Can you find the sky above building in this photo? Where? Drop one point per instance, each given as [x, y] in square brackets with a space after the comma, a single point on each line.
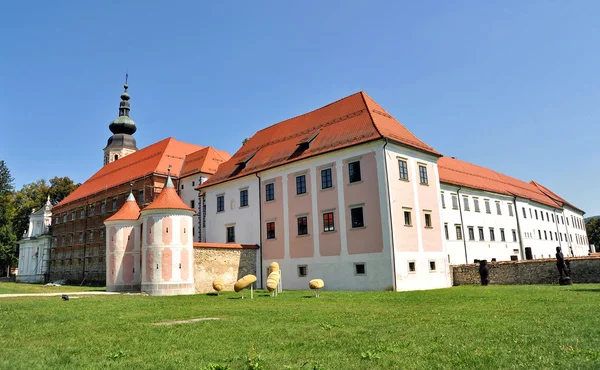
[509, 85]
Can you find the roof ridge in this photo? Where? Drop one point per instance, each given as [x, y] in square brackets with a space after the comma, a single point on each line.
[362, 95]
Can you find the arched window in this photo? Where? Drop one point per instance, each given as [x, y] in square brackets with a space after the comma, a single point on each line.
[116, 157]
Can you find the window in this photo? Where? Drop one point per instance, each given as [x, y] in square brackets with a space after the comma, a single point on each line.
[524, 213]
[550, 235]
[536, 215]
[328, 224]
[303, 225]
[92, 209]
[412, 267]
[73, 216]
[101, 234]
[454, 201]
[476, 204]
[64, 217]
[193, 183]
[428, 220]
[80, 237]
[91, 235]
[545, 235]
[561, 236]
[498, 208]
[539, 235]
[116, 157]
[446, 231]
[530, 214]
[57, 220]
[547, 217]
[542, 214]
[552, 217]
[431, 266]
[423, 174]
[492, 234]
[466, 203]
[230, 234]
[270, 230]
[407, 218]
[140, 197]
[403, 169]
[326, 179]
[82, 213]
[487, 206]
[443, 200]
[244, 198]
[270, 192]
[181, 186]
[458, 232]
[514, 234]
[114, 204]
[360, 268]
[102, 208]
[567, 221]
[471, 233]
[356, 215]
[481, 235]
[354, 171]
[301, 184]
[502, 236]
[302, 270]
[192, 204]
[220, 203]
[510, 210]
[556, 235]
[562, 220]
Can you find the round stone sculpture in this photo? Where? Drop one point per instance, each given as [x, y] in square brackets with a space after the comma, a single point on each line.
[273, 267]
[244, 283]
[273, 281]
[218, 284]
[316, 284]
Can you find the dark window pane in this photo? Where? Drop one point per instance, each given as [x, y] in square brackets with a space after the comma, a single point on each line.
[302, 225]
[423, 175]
[354, 171]
[270, 191]
[301, 184]
[270, 230]
[403, 169]
[326, 181]
[357, 217]
[328, 224]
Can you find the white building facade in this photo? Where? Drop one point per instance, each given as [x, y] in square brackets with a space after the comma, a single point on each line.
[34, 248]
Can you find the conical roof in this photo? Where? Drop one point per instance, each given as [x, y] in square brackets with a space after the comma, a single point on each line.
[130, 211]
[168, 198]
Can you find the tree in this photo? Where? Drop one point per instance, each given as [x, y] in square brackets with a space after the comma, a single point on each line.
[593, 232]
[245, 141]
[8, 238]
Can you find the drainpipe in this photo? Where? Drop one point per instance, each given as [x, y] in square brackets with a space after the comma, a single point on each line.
[557, 229]
[260, 229]
[387, 183]
[521, 248]
[462, 225]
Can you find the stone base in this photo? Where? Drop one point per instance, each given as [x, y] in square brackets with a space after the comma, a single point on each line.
[168, 288]
[565, 281]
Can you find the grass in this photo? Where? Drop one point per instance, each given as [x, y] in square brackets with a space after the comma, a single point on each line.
[541, 327]
[17, 288]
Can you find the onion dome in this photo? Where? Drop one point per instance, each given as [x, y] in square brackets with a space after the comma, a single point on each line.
[123, 124]
[168, 198]
[130, 211]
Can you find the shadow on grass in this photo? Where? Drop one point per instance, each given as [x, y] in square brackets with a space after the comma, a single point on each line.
[585, 290]
[213, 294]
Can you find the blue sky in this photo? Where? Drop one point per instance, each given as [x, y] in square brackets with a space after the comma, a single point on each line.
[510, 85]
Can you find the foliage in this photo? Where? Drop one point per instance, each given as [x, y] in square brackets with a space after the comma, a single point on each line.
[8, 237]
[474, 327]
[593, 232]
[245, 141]
[212, 366]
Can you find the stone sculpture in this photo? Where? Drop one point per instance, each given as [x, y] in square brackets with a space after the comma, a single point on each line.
[244, 283]
[316, 284]
[273, 281]
[484, 272]
[218, 285]
[563, 270]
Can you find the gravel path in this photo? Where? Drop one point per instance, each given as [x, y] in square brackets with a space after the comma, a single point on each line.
[54, 294]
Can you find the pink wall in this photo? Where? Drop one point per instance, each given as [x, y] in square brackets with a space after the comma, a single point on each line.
[428, 199]
[330, 243]
[112, 264]
[184, 230]
[370, 238]
[273, 210]
[167, 264]
[112, 242]
[129, 238]
[406, 238]
[300, 246]
[150, 265]
[149, 235]
[167, 230]
[185, 261]
[127, 268]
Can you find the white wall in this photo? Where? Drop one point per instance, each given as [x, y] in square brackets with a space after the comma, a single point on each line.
[189, 194]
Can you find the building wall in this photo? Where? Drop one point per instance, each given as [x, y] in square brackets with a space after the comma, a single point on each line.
[123, 262]
[542, 271]
[189, 195]
[227, 264]
[415, 242]
[34, 259]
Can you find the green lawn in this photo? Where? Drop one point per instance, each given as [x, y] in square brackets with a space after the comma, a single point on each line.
[533, 327]
[17, 288]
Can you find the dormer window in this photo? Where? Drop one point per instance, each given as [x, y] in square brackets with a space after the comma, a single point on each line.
[307, 140]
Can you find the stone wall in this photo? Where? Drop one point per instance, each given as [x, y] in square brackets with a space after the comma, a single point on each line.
[542, 271]
[229, 264]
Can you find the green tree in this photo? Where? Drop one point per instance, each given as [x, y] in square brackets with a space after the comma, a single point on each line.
[245, 141]
[593, 232]
[8, 237]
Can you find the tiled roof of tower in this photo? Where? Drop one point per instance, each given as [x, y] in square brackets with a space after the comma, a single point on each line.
[206, 160]
[457, 172]
[168, 199]
[153, 159]
[350, 121]
[554, 196]
[129, 211]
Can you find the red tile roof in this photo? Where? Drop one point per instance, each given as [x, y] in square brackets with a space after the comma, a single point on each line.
[205, 160]
[168, 199]
[553, 195]
[129, 211]
[457, 172]
[153, 159]
[225, 246]
[350, 121]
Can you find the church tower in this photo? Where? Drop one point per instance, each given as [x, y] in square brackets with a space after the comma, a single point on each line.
[121, 143]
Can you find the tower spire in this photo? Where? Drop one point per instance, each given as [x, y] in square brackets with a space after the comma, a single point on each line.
[121, 143]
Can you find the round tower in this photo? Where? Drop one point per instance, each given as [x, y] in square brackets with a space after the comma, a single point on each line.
[123, 241]
[122, 142]
[167, 246]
